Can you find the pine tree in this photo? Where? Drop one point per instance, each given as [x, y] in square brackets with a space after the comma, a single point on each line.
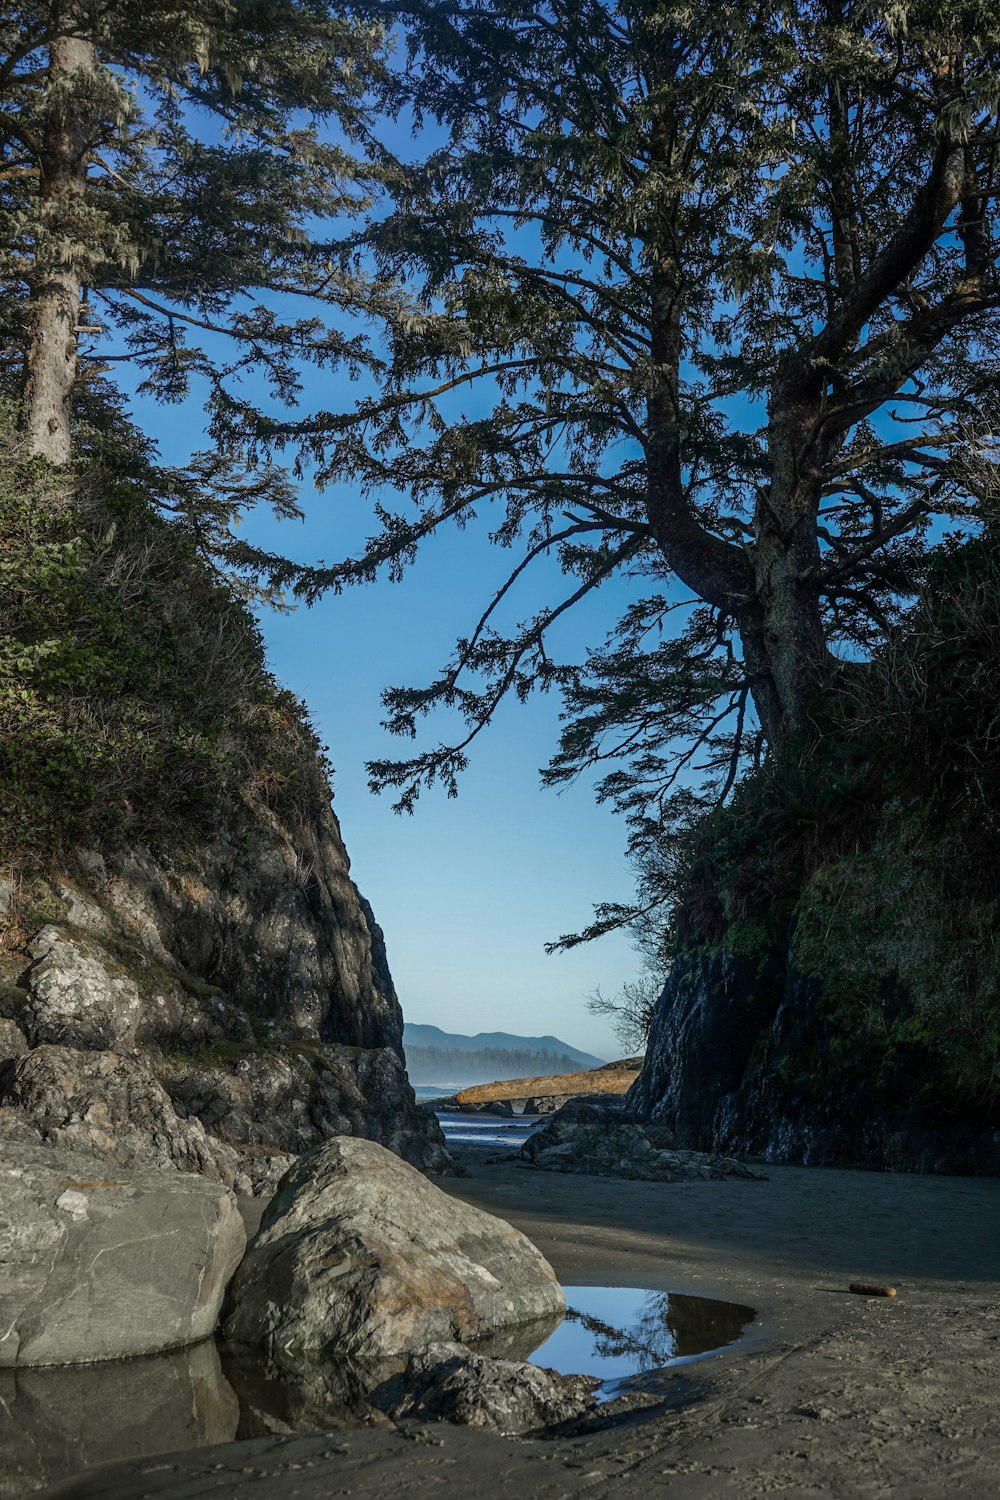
[163, 170]
[724, 278]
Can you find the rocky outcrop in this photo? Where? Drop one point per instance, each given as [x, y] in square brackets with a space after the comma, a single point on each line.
[449, 1383]
[113, 1108]
[550, 1104]
[361, 1256]
[610, 1143]
[97, 1265]
[243, 989]
[747, 1055]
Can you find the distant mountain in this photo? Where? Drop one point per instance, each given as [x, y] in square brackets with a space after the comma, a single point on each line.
[451, 1060]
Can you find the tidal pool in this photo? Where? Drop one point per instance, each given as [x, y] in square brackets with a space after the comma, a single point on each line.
[619, 1333]
[55, 1422]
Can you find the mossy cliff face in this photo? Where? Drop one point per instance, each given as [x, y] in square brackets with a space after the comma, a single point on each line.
[865, 1031]
[836, 995]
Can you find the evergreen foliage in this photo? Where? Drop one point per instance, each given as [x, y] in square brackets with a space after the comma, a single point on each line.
[134, 698]
[704, 295]
[169, 180]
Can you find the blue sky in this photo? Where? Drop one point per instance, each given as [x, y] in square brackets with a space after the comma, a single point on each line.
[467, 890]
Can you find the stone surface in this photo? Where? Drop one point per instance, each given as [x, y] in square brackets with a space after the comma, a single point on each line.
[113, 1108]
[59, 1421]
[13, 1042]
[360, 1255]
[731, 1067]
[447, 1382]
[582, 1138]
[298, 1093]
[98, 1264]
[248, 980]
[549, 1104]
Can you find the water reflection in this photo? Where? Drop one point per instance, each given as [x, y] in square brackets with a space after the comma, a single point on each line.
[55, 1422]
[621, 1332]
[323, 1392]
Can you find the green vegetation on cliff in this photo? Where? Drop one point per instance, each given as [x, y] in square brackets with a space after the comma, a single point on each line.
[867, 853]
[134, 696]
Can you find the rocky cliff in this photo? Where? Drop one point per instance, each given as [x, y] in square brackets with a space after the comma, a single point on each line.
[748, 1056]
[223, 1011]
[188, 974]
[835, 995]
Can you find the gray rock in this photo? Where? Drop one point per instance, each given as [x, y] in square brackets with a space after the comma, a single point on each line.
[732, 1067]
[549, 1104]
[97, 1265]
[113, 1108]
[260, 1068]
[360, 1255]
[296, 1094]
[13, 1042]
[612, 1143]
[95, 989]
[78, 997]
[447, 1382]
[58, 1421]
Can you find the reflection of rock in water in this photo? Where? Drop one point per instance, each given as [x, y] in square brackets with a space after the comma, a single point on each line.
[700, 1323]
[57, 1421]
[320, 1392]
[521, 1342]
[315, 1394]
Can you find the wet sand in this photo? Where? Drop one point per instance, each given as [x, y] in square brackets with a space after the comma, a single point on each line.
[830, 1393]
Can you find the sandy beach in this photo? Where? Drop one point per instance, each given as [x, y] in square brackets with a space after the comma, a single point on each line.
[829, 1393]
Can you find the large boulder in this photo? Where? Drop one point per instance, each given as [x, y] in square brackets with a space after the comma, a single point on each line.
[447, 1382]
[98, 1264]
[360, 1255]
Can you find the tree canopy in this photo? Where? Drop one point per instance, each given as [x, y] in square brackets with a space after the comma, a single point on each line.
[169, 180]
[702, 293]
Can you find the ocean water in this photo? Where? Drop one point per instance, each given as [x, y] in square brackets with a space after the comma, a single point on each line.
[488, 1130]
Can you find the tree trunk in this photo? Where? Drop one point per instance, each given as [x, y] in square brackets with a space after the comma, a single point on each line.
[55, 283]
[784, 640]
[769, 589]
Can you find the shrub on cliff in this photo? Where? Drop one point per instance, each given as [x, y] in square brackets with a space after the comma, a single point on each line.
[134, 696]
[866, 854]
